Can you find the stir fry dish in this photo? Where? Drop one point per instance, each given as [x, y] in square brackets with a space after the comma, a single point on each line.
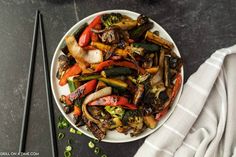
[121, 75]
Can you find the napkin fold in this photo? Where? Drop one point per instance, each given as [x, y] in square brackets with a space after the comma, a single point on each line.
[203, 123]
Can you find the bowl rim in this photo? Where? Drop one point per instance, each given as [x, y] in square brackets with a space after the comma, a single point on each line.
[54, 60]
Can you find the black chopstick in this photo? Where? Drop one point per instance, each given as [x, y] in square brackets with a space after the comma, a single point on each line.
[24, 127]
[48, 90]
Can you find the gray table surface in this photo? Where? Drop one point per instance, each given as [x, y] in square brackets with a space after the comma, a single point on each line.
[198, 28]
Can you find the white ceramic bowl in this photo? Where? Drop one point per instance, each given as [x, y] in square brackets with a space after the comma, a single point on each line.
[112, 136]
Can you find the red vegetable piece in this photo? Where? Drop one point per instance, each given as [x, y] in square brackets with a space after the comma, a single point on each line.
[94, 36]
[174, 93]
[176, 87]
[113, 100]
[77, 111]
[103, 65]
[161, 114]
[86, 35]
[82, 90]
[74, 70]
[67, 101]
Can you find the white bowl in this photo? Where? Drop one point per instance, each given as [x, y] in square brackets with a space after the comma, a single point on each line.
[112, 136]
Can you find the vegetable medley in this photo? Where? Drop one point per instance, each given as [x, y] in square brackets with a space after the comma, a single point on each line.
[122, 76]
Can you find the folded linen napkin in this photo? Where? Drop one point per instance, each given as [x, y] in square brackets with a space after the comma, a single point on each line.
[204, 120]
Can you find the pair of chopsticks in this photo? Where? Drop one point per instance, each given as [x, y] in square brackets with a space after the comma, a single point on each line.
[38, 20]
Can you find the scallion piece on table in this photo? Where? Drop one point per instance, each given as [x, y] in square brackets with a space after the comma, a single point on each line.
[60, 136]
[67, 154]
[95, 140]
[103, 155]
[68, 148]
[60, 125]
[79, 133]
[72, 130]
[65, 124]
[96, 150]
[91, 144]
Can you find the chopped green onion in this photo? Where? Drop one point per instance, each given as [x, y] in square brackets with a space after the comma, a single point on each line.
[79, 133]
[60, 136]
[95, 140]
[96, 150]
[91, 144]
[72, 130]
[67, 154]
[103, 155]
[68, 148]
[60, 125]
[65, 124]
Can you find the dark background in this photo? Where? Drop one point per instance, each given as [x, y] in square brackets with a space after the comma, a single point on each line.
[197, 27]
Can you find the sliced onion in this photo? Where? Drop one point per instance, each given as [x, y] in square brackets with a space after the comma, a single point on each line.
[101, 93]
[156, 78]
[94, 56]
[76, 51]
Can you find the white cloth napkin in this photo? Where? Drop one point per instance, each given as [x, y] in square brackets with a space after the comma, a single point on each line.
[204, 120]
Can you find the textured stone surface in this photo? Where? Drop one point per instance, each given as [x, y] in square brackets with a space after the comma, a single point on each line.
[197, 27]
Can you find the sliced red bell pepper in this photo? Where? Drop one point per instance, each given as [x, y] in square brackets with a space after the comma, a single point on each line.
[103, 65]
[74, 70]
[81, 91]
[176, 87]
[127, 64]
[174, 93]
[67, 101]
[86, 35]
[161, 114]
[77, 111]
[94, 36]
[113, 100]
